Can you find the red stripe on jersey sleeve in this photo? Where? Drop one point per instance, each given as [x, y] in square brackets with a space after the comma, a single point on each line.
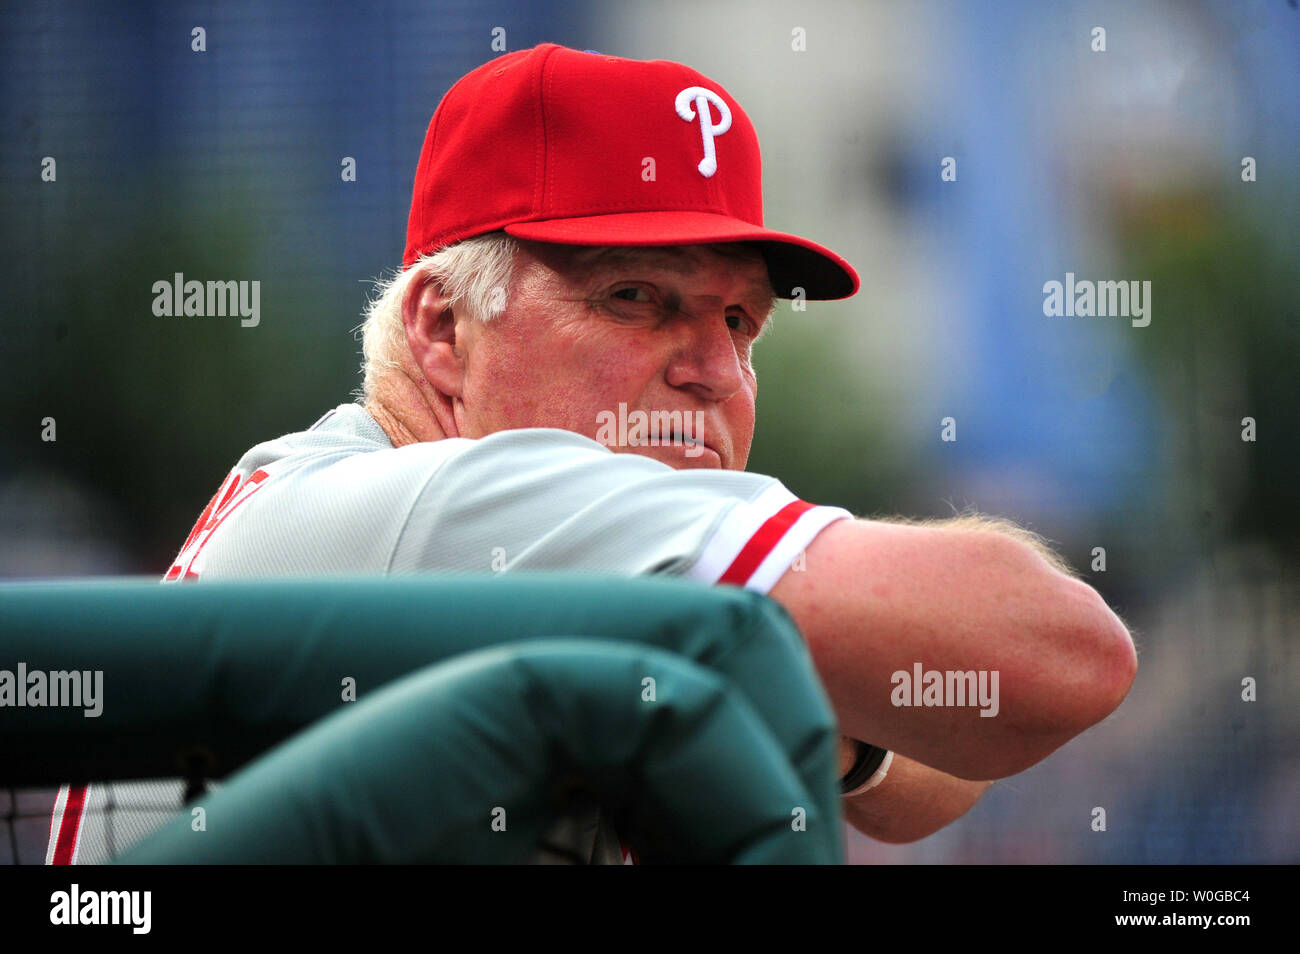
[70, 826]
[753, 553]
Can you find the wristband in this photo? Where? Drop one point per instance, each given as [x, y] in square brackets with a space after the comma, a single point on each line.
[868, 769]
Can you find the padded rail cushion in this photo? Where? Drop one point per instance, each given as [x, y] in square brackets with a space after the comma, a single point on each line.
[220, 672]
[420, 771]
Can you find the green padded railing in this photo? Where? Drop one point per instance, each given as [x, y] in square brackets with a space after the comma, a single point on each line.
[419, 772]
[222, 672]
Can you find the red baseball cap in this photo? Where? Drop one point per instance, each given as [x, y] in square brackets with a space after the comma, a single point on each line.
[578, 148]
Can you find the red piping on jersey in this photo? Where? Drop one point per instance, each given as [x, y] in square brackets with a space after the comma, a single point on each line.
[753, 553]
[214, 506]
[70, 826]
[252, 485]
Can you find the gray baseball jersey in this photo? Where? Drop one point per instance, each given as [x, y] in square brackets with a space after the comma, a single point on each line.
[339, 498]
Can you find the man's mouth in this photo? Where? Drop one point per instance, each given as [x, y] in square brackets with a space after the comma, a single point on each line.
[693, 446]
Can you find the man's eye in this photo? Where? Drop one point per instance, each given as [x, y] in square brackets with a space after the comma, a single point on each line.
[633, 293]
[740, 323]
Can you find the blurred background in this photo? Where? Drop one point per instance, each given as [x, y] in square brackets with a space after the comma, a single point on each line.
[1122, 164]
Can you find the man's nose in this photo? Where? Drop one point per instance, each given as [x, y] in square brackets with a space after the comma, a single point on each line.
[704, 358]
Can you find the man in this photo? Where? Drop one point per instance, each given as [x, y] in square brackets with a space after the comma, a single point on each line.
[562, 378]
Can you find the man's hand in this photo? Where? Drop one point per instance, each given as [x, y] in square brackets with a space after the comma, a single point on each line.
[913, 801]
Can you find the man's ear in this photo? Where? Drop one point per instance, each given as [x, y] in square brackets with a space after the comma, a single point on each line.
[431, 335]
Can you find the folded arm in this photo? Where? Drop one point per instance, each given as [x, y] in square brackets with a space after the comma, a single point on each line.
[877, 598]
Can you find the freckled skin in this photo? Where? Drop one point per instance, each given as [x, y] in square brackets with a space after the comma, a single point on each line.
[576, 340]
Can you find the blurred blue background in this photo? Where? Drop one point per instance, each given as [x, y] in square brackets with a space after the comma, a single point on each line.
[1117, 165]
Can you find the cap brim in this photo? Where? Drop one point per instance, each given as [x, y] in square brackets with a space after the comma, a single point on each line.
[792, 262]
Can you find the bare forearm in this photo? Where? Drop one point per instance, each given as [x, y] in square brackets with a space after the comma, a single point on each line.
[912, 802]
[877, 600]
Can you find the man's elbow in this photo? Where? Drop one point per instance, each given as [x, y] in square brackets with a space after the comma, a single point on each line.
[1092, 664]
[1074, 670]
[1112, 664]
[1076, 689]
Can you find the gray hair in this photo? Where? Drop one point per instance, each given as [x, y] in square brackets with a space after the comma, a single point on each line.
[475, 274]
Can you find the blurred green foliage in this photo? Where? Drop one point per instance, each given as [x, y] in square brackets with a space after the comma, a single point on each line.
[153, 411]
[1226, 346]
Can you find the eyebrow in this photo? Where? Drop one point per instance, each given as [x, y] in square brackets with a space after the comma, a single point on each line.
[757, 292]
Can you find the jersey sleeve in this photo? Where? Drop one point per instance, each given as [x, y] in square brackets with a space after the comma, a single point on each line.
[544, 499]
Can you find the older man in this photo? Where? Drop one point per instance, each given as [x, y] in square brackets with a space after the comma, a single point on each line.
[586, 242]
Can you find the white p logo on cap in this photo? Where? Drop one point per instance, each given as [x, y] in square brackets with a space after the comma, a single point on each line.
[693, 101]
